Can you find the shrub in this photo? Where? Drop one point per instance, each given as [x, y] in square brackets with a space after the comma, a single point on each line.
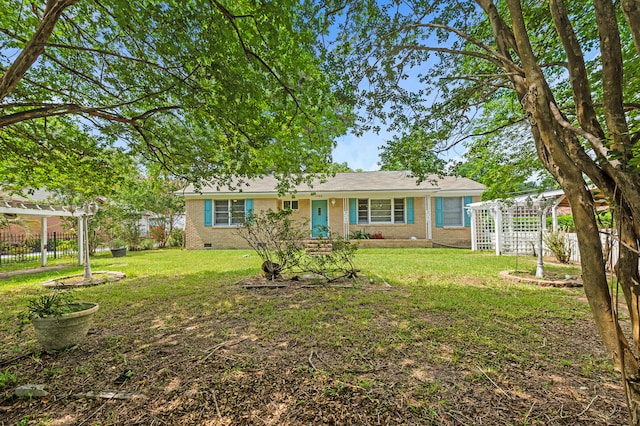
[276, 239]
[117, 243]
[67, 245]
[359, 235]
[556, 243]
[604, 219]
[279, 242]
[147, 244]
[176, 238]
[335, 264]
[158, 234]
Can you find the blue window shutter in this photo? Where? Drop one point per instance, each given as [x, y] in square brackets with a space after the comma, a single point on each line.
[467, 217]
[248, 207]
[410, 214]
[353, 211]
[208, 217]
[439, 212]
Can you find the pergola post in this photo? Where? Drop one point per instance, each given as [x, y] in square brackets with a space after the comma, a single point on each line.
[474, 236]
[554, 214]
[80, 241]
[498, 228]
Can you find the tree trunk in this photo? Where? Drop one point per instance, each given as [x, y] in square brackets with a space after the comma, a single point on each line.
[562, 153]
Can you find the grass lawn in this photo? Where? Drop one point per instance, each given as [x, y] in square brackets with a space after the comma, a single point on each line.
[448, 343]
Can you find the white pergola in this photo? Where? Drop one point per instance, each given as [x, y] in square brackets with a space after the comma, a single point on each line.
[513, 225]
[44, 211]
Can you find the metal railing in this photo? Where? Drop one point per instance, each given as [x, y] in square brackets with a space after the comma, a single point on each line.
[16, 248]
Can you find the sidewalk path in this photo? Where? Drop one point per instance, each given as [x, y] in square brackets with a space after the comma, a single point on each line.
[19, 272]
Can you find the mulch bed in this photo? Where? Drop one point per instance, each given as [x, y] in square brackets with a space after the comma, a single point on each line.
[550, 279]
[77, 280]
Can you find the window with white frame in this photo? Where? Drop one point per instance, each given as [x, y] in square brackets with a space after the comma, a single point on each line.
[381, 210]
[290, 205]
[453, 211]
[398, 210]
[228, 212]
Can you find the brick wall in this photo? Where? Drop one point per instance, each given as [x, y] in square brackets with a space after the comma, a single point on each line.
[199, 236]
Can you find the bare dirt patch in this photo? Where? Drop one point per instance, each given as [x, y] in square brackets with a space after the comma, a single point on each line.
[231, 356]
[311, 281]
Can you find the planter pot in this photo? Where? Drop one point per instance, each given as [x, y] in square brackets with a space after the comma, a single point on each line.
[62, 331]
[119, 252]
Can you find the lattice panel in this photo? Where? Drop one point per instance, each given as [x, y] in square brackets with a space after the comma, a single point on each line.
[520, 229]
[484, 230]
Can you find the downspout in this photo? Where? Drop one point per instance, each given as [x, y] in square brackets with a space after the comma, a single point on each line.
[345, 218]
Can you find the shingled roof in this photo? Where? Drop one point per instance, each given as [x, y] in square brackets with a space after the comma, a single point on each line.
[355, 182]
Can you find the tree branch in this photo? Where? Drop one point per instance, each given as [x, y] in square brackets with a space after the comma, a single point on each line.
[505, 61]
[250, 53]
[34, 47]
[495, 60]
[586, 114]
[61, 109]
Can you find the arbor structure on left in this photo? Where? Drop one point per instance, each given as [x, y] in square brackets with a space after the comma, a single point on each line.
[43, 211]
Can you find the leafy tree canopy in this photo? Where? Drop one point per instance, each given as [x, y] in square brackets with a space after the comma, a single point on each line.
[207, 89]
[430, 71]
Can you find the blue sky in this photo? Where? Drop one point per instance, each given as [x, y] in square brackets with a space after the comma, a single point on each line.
[363, 152]
[360, 152]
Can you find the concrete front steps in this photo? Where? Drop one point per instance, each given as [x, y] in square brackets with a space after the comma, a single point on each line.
[317, 247]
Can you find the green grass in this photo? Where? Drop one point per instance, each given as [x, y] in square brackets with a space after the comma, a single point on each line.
[459, 286]
[446, 309]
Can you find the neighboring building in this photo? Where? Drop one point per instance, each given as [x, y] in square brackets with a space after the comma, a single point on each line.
[31, 211]
[389, 203]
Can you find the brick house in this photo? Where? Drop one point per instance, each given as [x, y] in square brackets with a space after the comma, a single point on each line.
[389, 204]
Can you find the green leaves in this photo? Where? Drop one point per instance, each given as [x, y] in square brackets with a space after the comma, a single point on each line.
[203, 88]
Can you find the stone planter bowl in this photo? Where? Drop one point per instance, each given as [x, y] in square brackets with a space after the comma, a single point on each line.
[63, 331]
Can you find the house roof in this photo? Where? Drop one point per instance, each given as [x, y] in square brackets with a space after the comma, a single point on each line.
[353, 182]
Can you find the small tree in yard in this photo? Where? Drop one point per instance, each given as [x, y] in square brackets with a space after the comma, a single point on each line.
[276, 239]
[279, 241]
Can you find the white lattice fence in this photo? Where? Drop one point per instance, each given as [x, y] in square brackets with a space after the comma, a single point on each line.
[506, 229]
